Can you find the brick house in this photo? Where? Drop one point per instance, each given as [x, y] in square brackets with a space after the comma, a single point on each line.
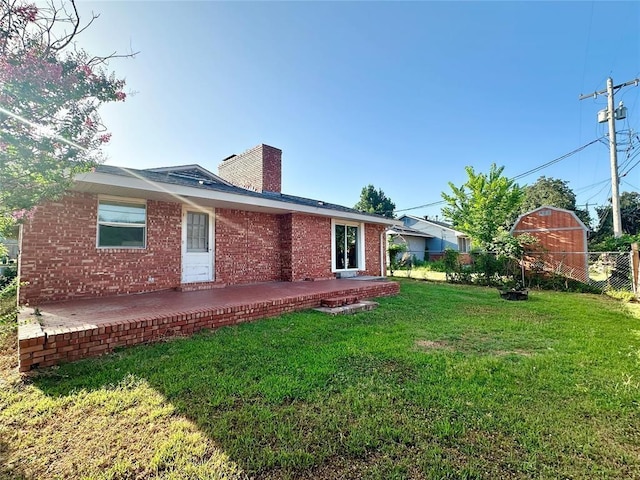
[122, 231]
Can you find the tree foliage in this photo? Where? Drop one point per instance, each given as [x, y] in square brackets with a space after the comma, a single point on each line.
[375, 201]
[482, 204]
[552, 192]
[629, 213]
[613, 244]
[50, 93]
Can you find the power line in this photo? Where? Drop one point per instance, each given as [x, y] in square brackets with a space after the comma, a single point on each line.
[421, 206]
[555, 160]
[529, 172]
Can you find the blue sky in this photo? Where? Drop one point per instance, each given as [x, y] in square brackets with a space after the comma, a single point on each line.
[399, 95]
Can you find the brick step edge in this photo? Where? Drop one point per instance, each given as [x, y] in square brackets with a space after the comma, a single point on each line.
[338, 301]
[363, 306]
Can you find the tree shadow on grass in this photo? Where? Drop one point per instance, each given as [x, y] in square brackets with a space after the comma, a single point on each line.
[8, 471]
[267, 398]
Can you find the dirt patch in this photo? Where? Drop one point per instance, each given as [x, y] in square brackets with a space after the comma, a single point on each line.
[504, 353]
[433, 345]
[470, 344]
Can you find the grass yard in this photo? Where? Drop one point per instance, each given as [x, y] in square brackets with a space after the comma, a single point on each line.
[440, 382]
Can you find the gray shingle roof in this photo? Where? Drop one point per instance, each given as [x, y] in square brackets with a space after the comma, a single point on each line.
[206, 183]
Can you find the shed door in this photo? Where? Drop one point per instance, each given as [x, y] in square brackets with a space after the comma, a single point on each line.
[197, 246]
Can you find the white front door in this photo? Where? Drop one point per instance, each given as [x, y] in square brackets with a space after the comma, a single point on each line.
[197, 245]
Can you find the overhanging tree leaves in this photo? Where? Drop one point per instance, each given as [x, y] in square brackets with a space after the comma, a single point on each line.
[483, 204]
[50, 93]
[375, 201]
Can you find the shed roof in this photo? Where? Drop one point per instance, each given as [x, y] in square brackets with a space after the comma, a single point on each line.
[555, 209]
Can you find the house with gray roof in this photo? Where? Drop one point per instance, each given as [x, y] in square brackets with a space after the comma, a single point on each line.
[428, 238]
[122, 230]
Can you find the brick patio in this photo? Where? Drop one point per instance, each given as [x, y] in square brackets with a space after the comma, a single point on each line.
[69, 331]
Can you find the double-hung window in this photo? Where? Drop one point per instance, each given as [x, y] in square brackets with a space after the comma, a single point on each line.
[122, 224]
[347, 243]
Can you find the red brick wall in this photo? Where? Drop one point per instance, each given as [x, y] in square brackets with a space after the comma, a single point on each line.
[373, 234]
[259, 168]
[59, 259]
[310, 247]
[247, 247]
[271, 169]
[286, 242]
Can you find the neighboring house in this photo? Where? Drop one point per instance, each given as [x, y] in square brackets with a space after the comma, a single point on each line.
[122, 231]
[563, 241]
[443, 236]
[414, 241]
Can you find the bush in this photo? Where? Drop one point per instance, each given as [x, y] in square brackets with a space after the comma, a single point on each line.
[553, 281]
[9, 273]
[435, 266]
[9, 303]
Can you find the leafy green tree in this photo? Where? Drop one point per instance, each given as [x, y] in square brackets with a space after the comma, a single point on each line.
[629, 213]
[613, 244]
[482, 204]
[375, 201]
[552, 192]
[50, 93]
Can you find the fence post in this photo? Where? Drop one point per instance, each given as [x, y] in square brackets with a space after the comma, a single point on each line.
[635, 264]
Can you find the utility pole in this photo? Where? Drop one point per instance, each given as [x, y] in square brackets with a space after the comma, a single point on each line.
[610, 115]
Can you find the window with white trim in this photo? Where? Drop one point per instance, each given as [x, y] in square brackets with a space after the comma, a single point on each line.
[464, 244]
[122, 224]
[347, 241]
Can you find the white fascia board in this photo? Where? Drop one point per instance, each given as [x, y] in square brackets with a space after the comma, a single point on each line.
[93, 181]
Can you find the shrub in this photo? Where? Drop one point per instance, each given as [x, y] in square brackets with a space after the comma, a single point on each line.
[9, 273]
[9, 303]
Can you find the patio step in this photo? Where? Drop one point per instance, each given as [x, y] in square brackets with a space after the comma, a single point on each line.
[362, 306]
[338, 301]
[198, 286]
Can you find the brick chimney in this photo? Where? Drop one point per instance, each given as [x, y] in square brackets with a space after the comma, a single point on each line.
[259, 169]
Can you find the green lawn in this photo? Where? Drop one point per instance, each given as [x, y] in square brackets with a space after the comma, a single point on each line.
[440, 382]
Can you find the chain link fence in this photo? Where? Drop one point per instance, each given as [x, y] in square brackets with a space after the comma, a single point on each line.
[602, 270]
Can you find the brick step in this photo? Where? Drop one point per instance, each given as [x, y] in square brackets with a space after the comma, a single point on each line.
[363, 306]
[338, 301]
[196, 287]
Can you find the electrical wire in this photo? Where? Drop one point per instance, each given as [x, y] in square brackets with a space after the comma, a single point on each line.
[522, 175]
[555, 160]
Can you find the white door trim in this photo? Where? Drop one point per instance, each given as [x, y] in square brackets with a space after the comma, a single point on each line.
[198, 266]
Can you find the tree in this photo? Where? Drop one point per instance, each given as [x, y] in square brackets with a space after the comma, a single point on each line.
[629, 213]
[375, 201]
[552, 192]
[50, 93]
[483, 204]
